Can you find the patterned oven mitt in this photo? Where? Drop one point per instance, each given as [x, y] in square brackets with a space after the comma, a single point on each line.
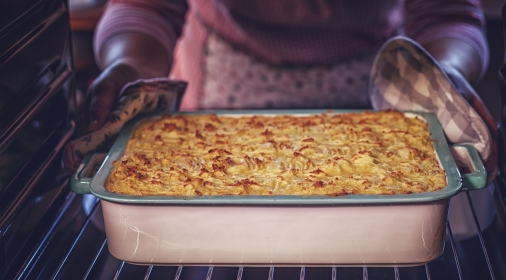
[405, 77]
[142, 96]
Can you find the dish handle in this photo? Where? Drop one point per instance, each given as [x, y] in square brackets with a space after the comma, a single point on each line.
[468, 159]
[80, 182]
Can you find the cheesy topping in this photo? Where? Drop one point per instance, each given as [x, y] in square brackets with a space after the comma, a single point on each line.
[326, 154]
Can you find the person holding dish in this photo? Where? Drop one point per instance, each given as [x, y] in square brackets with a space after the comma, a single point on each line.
[275, 54]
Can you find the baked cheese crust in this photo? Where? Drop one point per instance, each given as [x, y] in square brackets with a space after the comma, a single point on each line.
[326, 154]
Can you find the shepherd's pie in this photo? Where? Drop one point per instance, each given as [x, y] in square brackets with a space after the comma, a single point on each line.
[324, 154]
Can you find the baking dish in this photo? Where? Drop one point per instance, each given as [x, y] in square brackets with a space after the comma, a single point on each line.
[373, 230]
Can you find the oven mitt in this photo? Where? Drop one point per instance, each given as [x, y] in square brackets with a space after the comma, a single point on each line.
[405, 77]
[142, 96]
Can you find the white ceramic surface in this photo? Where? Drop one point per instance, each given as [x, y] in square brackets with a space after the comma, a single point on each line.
[393, 235]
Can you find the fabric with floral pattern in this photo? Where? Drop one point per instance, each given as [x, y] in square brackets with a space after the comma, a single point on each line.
[142, 96]
[233, 79]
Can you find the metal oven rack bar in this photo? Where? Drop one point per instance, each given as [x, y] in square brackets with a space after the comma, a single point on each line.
[85, 254]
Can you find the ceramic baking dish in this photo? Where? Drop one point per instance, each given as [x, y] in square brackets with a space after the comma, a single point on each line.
[373, 230]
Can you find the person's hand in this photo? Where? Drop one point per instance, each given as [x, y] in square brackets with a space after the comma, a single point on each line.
[103, 94]
[466, 90]
[458, 55]
[126, 58]
[462, 65]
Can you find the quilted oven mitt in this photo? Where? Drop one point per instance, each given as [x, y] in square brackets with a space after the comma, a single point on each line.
[142, 96]
[405, 77]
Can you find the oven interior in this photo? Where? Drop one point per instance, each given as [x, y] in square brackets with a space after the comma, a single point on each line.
[48, 232]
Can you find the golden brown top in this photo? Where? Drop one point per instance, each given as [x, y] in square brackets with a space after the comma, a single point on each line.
[326, 154]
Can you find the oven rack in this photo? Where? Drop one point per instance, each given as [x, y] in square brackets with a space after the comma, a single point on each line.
[85, 254]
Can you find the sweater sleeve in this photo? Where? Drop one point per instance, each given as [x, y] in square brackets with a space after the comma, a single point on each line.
[429, 20]
[160, 19]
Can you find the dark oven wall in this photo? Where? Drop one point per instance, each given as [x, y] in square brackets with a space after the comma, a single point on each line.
[36, 86]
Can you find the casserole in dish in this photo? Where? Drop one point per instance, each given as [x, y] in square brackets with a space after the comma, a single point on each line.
[317, 154]
[355, 229]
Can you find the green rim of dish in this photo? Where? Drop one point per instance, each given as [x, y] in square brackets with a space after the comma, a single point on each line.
[439, 142]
